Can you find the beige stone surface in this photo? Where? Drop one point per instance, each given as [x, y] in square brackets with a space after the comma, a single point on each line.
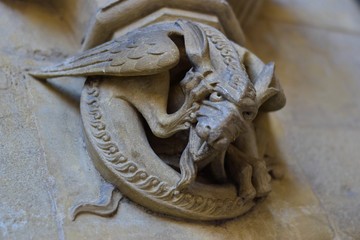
[27, 204]
[316, 46]
[45, 169]
[333, 15]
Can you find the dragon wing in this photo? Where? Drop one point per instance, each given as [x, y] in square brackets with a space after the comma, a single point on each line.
[145, 52]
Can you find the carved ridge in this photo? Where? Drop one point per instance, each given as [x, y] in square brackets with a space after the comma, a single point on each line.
[230, 58]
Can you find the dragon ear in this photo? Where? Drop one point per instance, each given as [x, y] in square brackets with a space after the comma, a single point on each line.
[197, 47]
[269, 94]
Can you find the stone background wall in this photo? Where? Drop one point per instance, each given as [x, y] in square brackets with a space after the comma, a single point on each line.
[45, 169]
[316, 46]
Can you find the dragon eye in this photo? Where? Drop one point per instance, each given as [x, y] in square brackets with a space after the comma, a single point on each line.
[216, 97]
[249, 115]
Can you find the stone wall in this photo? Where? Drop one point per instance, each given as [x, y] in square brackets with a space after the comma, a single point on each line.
[45, 168]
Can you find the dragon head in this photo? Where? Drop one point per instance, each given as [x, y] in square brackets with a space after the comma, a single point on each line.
[220, 121]
[229, 100]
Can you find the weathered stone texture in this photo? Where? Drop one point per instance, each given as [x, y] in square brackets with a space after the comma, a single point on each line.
[44, 167]
[315, 45]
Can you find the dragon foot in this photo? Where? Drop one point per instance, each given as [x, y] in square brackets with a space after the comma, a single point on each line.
[261, 179]
[245, 188]
[178, 121]
[275, 168]
[250, 174]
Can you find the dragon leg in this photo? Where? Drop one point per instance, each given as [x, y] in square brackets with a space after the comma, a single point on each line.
[152, 104]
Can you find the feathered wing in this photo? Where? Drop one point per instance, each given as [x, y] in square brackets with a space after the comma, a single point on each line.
[138, 53]
[195, 41]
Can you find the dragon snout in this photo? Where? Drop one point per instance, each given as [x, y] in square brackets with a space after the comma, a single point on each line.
[219, 124]
[215, 138]
[203, 130]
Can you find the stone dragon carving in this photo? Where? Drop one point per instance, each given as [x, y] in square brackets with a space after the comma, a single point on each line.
[197, 90]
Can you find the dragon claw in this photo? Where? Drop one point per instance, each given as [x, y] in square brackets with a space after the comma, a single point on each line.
[192, 116]
[187, 125]
[182, 120]
[247, 193]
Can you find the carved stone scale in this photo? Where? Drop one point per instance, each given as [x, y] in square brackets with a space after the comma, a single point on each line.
[172, 109]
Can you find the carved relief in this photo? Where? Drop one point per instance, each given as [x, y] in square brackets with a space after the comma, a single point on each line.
[171, 114]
